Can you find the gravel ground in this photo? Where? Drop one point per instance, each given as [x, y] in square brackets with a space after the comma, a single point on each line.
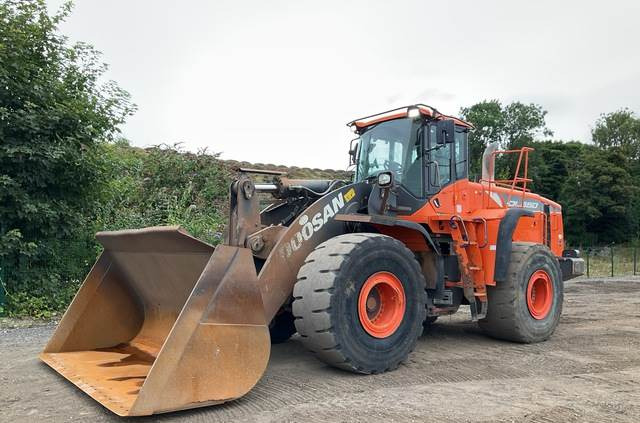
[588, 371]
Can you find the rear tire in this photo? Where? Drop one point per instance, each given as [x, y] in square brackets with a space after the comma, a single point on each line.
[359, 302]
[515, 312]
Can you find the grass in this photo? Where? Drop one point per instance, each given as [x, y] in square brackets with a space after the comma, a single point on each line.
[600, 261]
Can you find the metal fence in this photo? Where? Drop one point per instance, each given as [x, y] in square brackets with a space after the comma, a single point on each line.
[4, 282]
[3, 288]
[611, 260]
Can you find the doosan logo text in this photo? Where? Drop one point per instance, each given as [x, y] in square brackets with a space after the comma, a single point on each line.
[309, 226]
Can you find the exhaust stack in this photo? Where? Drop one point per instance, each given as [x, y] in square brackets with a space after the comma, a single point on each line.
[488, 163]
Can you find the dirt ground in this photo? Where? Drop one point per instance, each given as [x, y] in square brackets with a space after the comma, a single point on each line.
[588, 371]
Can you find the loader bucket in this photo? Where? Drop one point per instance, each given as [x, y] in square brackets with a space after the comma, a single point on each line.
[163, 322]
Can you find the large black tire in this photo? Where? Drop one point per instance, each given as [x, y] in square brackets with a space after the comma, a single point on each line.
[326, 302]
[282, 327]
[509, 316]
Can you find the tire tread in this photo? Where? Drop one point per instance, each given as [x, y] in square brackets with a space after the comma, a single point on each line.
[502, 319]
[314, 288]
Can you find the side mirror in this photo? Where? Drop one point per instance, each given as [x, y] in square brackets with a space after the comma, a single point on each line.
[353, 151]
[446, 131]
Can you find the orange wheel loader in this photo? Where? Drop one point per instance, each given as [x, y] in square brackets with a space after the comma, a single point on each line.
[166, 322]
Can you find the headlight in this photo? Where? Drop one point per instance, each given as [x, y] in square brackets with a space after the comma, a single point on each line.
[385, 179]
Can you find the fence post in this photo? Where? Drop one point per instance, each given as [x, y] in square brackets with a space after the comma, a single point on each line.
[2, 284]
[635, 259]
[612, 261]
[587, 262]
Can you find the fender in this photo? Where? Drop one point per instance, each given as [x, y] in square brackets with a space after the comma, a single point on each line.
[504, 242]
[390, 221]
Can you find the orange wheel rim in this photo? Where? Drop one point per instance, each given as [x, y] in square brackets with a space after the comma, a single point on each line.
[539, 294]
[381, 304]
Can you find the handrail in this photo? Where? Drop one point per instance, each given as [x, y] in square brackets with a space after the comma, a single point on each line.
[464, 233]
[517, 183]
[482, 220]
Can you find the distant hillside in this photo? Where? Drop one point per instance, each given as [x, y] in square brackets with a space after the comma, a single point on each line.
[294, 171]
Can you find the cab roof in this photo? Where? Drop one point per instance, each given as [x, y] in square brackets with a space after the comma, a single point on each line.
[402, 112]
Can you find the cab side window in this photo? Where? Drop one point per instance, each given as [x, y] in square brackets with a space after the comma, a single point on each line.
[443, 157]
[460, 156]
[412, 177]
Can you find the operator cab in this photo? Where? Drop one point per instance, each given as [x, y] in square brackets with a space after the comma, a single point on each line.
[422, 149]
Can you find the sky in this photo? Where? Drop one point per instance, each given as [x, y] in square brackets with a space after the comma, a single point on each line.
[276, 82]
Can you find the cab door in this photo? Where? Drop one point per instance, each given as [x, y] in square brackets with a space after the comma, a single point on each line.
[446, 163]
[438, 162]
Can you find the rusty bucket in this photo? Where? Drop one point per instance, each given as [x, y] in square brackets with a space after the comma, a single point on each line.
[163, 322]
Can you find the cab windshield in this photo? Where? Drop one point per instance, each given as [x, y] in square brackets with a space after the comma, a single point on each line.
[392, 146]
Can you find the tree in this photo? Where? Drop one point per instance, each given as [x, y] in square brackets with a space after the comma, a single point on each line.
[55, 116]
[598, 198]
[618, 129]
[512, 126]
[550, 164]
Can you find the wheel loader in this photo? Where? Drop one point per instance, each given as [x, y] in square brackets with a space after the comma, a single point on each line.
[166, 322]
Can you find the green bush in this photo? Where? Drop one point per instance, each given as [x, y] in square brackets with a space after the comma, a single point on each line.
[142, 187]
[55, 117]
[164, 185]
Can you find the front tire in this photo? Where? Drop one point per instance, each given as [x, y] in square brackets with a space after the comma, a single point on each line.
[527, 306]
[359, 302]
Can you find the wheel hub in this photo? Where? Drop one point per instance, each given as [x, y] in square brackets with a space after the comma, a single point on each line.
[381, 304]
[539, 294]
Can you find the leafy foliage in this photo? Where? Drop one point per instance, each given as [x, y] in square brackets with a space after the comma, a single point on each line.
[620, 129]
[513, 125]
[164, 185]
[55, 115]
[598, 200]
[550, 164]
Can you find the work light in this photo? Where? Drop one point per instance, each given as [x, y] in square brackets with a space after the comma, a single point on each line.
[413, 112]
